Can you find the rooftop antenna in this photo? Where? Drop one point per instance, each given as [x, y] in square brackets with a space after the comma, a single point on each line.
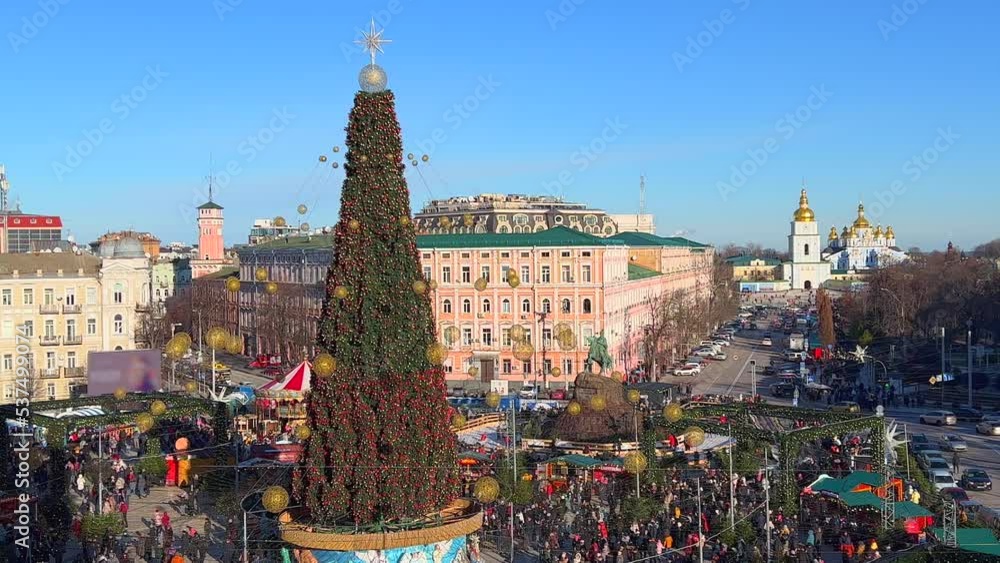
[642, 194]
[211, 176]
[4, 188]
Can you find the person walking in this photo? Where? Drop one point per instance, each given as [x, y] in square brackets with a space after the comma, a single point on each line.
[141, 485]
[123, 509]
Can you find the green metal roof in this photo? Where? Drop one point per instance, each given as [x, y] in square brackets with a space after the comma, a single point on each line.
[556, 236]
[866, 498]
[210, 205]
[907, 509]
[744, 260]
[636, 272]
[645, 239]
[979, 540]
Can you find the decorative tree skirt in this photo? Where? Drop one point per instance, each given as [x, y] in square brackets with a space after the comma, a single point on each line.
[449, 551]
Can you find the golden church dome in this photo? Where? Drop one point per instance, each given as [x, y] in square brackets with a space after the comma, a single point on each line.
[803, 214]
[833, 234]
[889, 233]
[878, 232]
[861, 222]
[845, 233]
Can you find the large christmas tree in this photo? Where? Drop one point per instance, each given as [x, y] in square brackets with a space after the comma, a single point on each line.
[381, 449]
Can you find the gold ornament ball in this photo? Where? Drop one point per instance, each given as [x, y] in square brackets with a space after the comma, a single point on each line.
[260, 274]
[468, 220]
[336, 149]
[174, 350]
[405, 220]
[458, 420]
[493, 399]
[363, 158]
[436, 354]
[555, 372]
[618, 376]
[633, 396]
[574, 408]
[432, 285]
[157, 408]
[598, 403]
[354, 225]
[473, 371]
[144, 422]
[425, 158]
[513, 281]
[413, 162]
[302, 432]
[271, 288]
[673, 412]
[275, 499]
[486, 490]
[694, 436]
[302, 209]
[335, 165]
[322, 158]
[409, 156]
[191, 387]
[517, 333]
[279, 221]
[524, 351]
[217, 338]
[420, 287]
[324, 365]
[234, 344]
[635, 462]
[304, 227]
[183, 337]
[340, 292]
[481, 284]
[233, 284]
[451, 334]
[120, 394]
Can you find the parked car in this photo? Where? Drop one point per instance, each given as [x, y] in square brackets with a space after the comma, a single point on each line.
[942, 479]
[930, 455]
[704, 352]
[721, 342]
[557, 394]
[846, 406]
[766, 341]
[456, 392]
[941, 418]
[935, 464]
[956, 494]
[782, 390]
[966, 414]
[989, 428]
[975, 480]
[954, 443]
[688, 370]
[918, 448]
[528, 391]
[920, 439]
[720, 356]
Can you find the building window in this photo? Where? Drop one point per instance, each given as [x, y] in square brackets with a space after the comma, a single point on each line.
[505, 367]
[527, 336]
[565, 274]
[487, 307]
[91, 326]
[567, 306]
[505, 255]
[29, 328]
[466, 274]
[51, 388]
[505, 337]
[50, 360]
[119, 294]
[547, 338]
[8, 391]
[567, 367]
[119, 325]
[486, 273]
[465, 255]
[525, 306]
[8, 360]
[446, 255]
[50, 329]
[585, 254]
[71, 359]
[48, 296]
[487, 336]
[505, 306]
[587, 307]
[585, 274]
[91, 296]
[546, 306]
[546, 274]
[28, 296]
[565, 254]
[71, 296]
[7, 298]
[525, 274]
[446, 305]
[546, 254]
[806, 249]
[427, 273]
[446, 274]
[466, 305]
[467, 337]
[526, 366]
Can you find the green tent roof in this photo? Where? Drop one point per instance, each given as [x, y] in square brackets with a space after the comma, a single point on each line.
[577, 460]
[979, 540]
[862, 478]
[907, 509]
[866, 498]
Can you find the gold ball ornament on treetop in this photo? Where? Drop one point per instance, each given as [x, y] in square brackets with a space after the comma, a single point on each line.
[120, 393]
[673, 412]
[157, 408]
[217, 338]
[481, 284]
[574, 408]
[324, 365]
[322, 158]
[436, 354]
[524, 351]
[275, 499]
[486, 490]
[279, 221]
[144, 422]
[340, 292]
[493, 399]
[598, 403]
[233, 284]
[458, 420]
[517, 333]
[432, 285]
[354, 225]
[635, 462]
[425, 158]
[420, 287]
[260, 274]
[234, 344]
[694, 436]
[302, 209]
[191, 387]
[555, 372]
[302, 432]
[271, 288]
[633, 396]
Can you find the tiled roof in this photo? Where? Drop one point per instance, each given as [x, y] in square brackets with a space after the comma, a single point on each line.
[646, 239]
[744, 260]
[49, 263]
[636, 272]
[556, 236]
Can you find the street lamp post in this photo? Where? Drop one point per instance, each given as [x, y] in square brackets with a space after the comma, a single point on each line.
[968, 346]
[942, 366]
[753, 378]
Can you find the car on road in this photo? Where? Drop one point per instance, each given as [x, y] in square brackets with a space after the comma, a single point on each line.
[942, 479]
[941, 418]
[688, 370]
[975, 480]
[721, 342]
[846, 406]
[965, 414]
[557, 394]
[954, 443]
[917, 448]
[927, 456]
[782, 390]
[989, 428]
[528, 391]
[920, 439]
[956, 494]
[720, 356]
[704, 352]
[766, 341]
[935, 464]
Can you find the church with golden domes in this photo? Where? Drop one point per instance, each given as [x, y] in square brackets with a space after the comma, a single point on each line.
[860, 247]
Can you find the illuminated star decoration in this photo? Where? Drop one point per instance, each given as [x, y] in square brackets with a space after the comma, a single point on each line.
[373, 41]
[860, 353]
[894, 437]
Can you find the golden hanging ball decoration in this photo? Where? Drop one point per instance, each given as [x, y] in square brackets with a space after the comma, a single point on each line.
[405, 220]
[324, 365]
[468, 220]
[574, 408]
[432, 285]
[304, 227]
[413, 162]
[120, 394]
[363, 158]
[271, 288]
[598, 403]
[233, 284]
[635, 462]
[191, 387]
[409, 156]
[673, 412]
[694, 436]
[458, 420]
[560, 328]
[302, 432]
[524, 351]
[425, 158]
[144, 422]
[481, 284]
[517, 333]
[493, 399]
[618, 376]
[473, 371]
[275, 499]
[234, 344]
[486, 490]
[513, 280]
[302, 209]
[322, 158]
[354, 225]
[445, 222]
[279, 221]
[633, 396]
[437, 354]
[567, 341]
[555, 372]
[451, 335]
[336, 149]
[217, 338]
[183, 337]
[260, 274]
[420, 287]
[157, 408]
[340, 292]
[335, 165]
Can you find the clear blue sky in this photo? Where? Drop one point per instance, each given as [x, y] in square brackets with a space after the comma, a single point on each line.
[557, 81]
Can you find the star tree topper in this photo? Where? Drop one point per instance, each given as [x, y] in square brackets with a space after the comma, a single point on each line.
[860, 353]
[373, 41]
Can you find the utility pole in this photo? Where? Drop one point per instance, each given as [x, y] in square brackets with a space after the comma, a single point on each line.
[968, 346]
[701, 540]
[513, 463]
[942, 366]
[732, 484]
[753, 378]
[545, 376]
[767, 506]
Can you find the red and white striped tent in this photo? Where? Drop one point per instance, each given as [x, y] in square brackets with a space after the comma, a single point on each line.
[296, 382]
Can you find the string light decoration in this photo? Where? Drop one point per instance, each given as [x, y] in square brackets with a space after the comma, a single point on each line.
[271, 288]
[157, 408]
[574, 408]
[275, 499]
[458, 420]
[673, 412]
[260, 274]
[120, 394]
[233, 284]
[324, 365]
[635, 462]
[633, 396]
[481, 284]
[598, 403]
[524, 351]
[486, 490]
[493, 399]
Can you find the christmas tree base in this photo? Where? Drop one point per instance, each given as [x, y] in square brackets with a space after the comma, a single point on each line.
[442, 539]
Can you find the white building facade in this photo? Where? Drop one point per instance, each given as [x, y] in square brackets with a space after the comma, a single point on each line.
[807, 269]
